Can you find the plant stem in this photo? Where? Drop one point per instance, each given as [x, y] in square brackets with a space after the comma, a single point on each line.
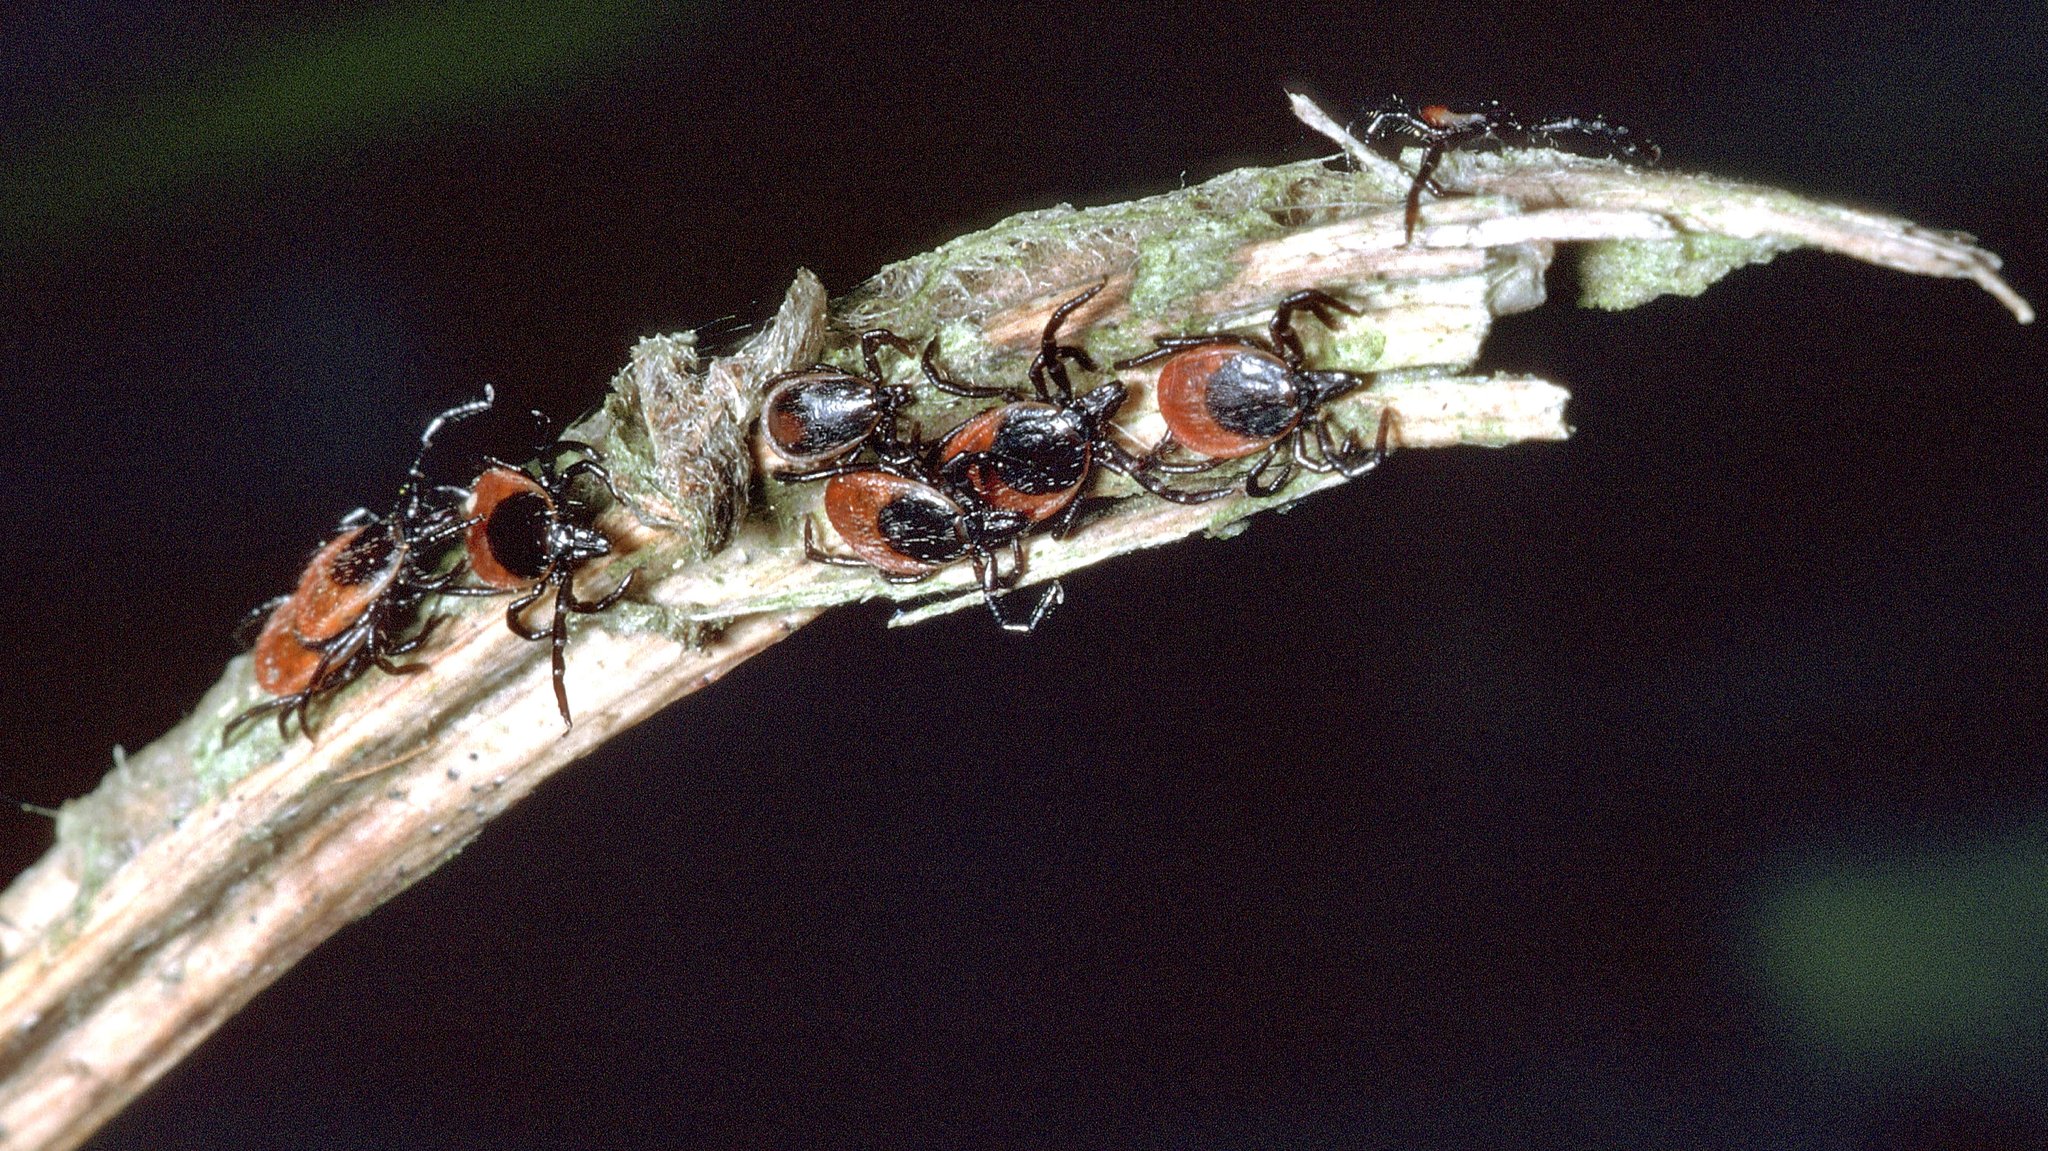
[198, 873]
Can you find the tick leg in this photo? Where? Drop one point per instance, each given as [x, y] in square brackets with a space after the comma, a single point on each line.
[1319, 461]
[1285, 453]
[413, 644]
[994, 588]
[444, 531]
[1165, 346]
[1156, 460]
[939, 379]
[1139, 470]
[558, 630]
[1050, 363]
[1054, 596]
[1047, 363]
[1050, 338]
[1618, 137]
[452, 415]
[1393, 115]
[994, 609]
[517, 608]
[301, 704]
[602, 602]
[892, 452]
[990, 572]
[443, 587]
[1047, 601]
[984, 574]
[381, 656]
[1353, 460]
[559, 633]
[872, 342]
[591, 467]
[228, 730]
[1280, 330]
[1062, 525]
[1431, 157]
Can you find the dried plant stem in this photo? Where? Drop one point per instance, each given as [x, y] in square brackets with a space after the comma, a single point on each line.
[196, 874]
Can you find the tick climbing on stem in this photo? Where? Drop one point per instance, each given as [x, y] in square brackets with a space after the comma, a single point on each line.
[358, 597]
[1438, 130]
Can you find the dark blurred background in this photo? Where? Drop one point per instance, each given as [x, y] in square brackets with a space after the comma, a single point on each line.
[1678, 786]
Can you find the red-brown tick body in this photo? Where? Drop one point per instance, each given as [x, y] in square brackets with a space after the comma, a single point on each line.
[904, 528]
[343, 582]
[356, 599]
[1226, 402]
[1034, 456]
[818, 416]
[908, 526]
[528, 535]
[507, 543]
[1226, 397]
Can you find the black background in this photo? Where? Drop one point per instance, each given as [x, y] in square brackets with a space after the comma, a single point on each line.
[1436, 813]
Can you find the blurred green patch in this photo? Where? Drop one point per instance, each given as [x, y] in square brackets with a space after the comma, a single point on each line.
[303, 94]
[1929, 957]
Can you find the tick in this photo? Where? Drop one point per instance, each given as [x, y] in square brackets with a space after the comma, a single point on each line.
[1034, 454]
[907, 527]
[529, 533]
[816, 417]
[1438, 129]
[1226, 396]
[357, 598]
